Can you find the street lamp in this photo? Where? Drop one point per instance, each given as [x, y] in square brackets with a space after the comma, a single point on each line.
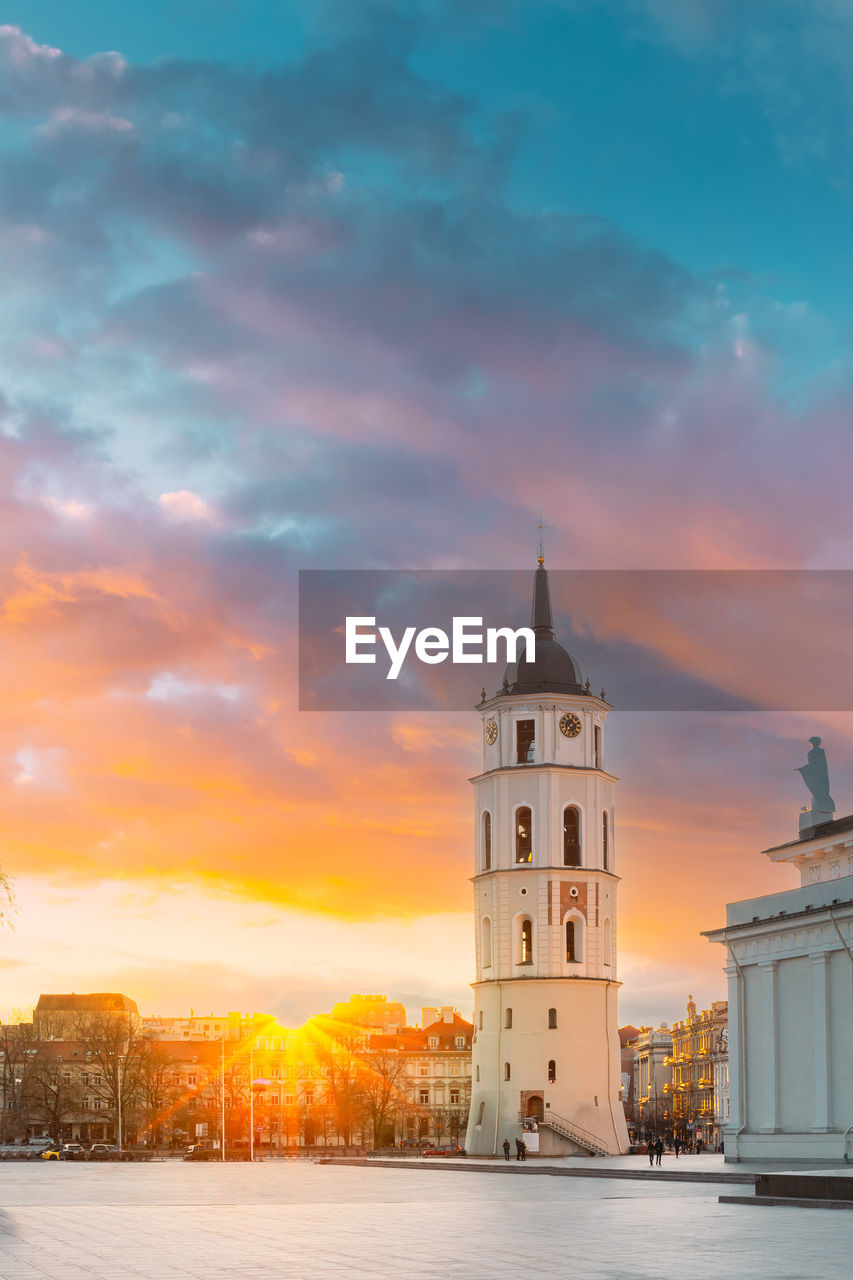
[119, 1059]
[222, 1113]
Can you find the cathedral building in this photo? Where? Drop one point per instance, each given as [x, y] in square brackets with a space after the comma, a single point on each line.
[789, 963]
[546, 1053]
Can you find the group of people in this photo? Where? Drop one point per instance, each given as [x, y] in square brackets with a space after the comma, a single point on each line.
[520, 1149]
[655, 1151]
[655, 1148]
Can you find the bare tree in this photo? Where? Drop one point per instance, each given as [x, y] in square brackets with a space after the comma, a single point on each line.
[381, 1090]
[19, 1045]
[114, 1071]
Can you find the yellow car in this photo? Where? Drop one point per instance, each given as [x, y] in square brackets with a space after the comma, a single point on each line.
[50, 1153]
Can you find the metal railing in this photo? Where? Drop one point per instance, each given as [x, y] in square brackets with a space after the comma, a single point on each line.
[568, 1129]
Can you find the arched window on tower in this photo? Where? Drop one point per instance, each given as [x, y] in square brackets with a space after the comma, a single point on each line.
[607, 943]
[552, 1071]
[508, 1019]
[523, 835]
[552, 1019]
[525, 942]
[571, 836]
[605, 841]
[574, 940]
[487, 841]
[487, 943]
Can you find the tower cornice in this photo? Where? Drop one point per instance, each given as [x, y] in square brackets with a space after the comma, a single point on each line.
[572, 872]
[545, 766]
[510, 699]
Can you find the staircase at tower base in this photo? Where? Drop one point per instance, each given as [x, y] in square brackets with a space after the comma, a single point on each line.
[574, 1133]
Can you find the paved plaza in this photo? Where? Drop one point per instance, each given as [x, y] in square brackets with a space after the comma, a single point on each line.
[297, 1218]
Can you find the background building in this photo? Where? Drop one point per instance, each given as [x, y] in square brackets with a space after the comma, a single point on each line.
[652, 1051]
[696, 1042]
[164, 1081]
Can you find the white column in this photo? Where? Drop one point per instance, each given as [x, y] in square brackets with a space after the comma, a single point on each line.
[820, 1007]
[736, 1064]
[770, 1055]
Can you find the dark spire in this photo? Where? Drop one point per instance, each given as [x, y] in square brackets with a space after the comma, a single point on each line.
[541, 619]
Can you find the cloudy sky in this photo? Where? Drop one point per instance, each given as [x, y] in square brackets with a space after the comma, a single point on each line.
[335, 285]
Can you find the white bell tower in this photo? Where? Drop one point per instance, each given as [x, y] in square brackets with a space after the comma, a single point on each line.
[546, 1043]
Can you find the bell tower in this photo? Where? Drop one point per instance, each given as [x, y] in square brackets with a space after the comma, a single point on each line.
[546, 1058]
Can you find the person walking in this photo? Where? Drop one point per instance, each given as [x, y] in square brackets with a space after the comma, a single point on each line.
[651, 1149]
[658, 1150]
[676, 1146]
[519, 1147]
[506, 1148]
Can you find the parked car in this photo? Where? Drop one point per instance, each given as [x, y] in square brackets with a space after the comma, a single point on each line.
[73, 1151]
[99, 1151]
[199, 1152]
[444, 1151]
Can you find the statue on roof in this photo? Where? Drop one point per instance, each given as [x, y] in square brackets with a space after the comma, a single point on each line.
[815, 775]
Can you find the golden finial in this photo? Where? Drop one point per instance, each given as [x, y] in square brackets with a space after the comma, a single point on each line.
[540, 560]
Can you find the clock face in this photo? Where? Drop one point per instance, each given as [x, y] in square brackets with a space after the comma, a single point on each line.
[491, 731]
[570, 725]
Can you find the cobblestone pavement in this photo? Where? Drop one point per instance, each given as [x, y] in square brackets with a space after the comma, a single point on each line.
[167, 1220]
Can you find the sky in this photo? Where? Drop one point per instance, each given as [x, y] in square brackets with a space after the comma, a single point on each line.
[323, 285]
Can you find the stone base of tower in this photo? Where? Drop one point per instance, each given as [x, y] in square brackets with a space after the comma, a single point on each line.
[546, 1052]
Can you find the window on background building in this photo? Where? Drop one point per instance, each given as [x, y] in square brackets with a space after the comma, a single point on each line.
[275, 1073]
[433, 1042]
[309, 1098]
[423, 1097]
[552, 1071]
[571, 945]
[605, 841]
[97, 1080]
[571, 836]
[523, 835]
[191, 1079]
[487, 950]
[487, 840]
[525, 740]
[552, 1019]
[66, 1077]
[84, 1104]
[525, 955]
[508, 1019]
[289, 1099]
[454, 1068]
[507, 1071]
[424, 1069]
[460, 1042]
[454, 1097]
[96, 1104]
